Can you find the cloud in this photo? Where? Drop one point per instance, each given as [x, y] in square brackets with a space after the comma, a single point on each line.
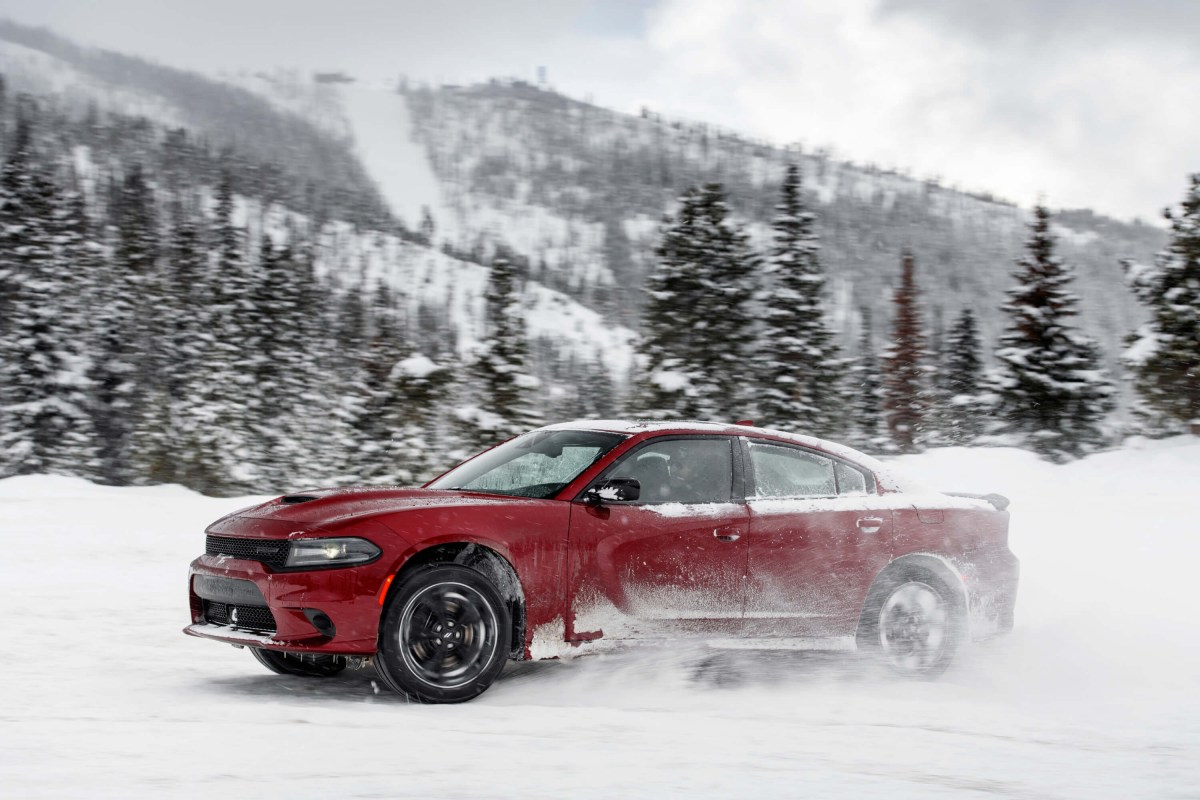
[1018, 98]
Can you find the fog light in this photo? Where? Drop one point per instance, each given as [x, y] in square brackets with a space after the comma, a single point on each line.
[321, 621]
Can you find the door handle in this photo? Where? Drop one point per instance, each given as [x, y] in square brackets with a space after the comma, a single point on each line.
[870, 524]
[726, 535]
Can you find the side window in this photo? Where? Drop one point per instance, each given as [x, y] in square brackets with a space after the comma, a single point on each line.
[850, 480]
[681, 471]
[788, 472]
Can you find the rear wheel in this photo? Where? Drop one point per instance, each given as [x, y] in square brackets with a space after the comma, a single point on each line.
[307, 665]
[912, 623]
[443, 637]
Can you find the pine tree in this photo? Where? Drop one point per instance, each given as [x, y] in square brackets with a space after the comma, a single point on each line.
[372, 457]
[278, 362]
[191, 341]
[934, 427]
[697, 320]
[77, 253]
[866, 393]
[410, 451]
[801, 375]
[347, 360]
[126, 371]
[960, 417]
[1164, 354]
[44, 421]
[500, 367]
[317, 429]
[217, 404]
[668, 384]
[905, 384]
[156, 444]
[1052, 391]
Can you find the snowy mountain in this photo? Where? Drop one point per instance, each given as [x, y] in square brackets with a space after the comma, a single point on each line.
[579, 190]
[358, 242]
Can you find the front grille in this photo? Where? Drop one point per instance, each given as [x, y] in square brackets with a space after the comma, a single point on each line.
[271, 552]
[250, 618]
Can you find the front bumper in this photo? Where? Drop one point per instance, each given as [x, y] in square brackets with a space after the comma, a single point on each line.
[347, 596]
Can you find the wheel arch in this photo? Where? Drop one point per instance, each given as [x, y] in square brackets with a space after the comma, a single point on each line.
[940, 566]
[488, 561]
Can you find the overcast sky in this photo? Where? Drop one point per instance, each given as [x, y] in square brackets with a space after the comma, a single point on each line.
[1087, 103]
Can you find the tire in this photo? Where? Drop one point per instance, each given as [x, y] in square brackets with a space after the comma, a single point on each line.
[444, 635]
[913, 623]
[306, 665]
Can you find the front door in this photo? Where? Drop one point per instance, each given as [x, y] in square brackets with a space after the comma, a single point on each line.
[671, 563]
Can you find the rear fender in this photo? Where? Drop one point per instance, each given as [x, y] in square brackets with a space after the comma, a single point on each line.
[938, 565]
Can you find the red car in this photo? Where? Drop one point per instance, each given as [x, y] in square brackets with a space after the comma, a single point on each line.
[576, 536]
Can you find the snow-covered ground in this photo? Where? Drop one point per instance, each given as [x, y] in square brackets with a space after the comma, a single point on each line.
[1095, 694]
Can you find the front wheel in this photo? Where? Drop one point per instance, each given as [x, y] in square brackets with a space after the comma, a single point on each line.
[306, 665]
[914, 624]
[444, 635]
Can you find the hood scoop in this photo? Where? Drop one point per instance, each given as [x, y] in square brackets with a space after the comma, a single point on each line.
[293, 499]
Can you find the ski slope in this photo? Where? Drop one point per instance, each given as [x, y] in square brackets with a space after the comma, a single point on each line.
[1096, 694]
[382, 130]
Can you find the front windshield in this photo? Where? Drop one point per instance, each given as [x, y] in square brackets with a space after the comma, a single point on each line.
[538, 464]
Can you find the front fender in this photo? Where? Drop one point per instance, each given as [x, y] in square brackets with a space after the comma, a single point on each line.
[530, 536]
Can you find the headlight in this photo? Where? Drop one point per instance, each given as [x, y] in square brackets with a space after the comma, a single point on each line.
[330, 552]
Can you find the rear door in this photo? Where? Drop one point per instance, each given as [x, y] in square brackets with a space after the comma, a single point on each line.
[671, 563]
[819, 534]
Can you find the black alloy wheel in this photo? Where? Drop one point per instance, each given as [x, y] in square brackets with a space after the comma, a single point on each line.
[444, 635]
[306, 665]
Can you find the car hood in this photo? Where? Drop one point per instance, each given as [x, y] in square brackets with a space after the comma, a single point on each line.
[324, 507]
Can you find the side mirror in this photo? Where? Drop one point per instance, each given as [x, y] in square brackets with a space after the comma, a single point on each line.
[613, 490]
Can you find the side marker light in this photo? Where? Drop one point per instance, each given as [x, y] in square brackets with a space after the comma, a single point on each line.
[383, 590]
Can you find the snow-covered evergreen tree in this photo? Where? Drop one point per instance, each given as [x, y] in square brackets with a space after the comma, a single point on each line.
[697, 320]
[800, 372]
[1052, 391]
[1164, 353]
[372, 458]
[865, 394]
[959, 416]
[412, 449]
[219, 454]
[905, 378]
[173, 324]
[504, 405]
[280, 356]
[189, 339]
[78, 256]
[45, 424]
[323, 427]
